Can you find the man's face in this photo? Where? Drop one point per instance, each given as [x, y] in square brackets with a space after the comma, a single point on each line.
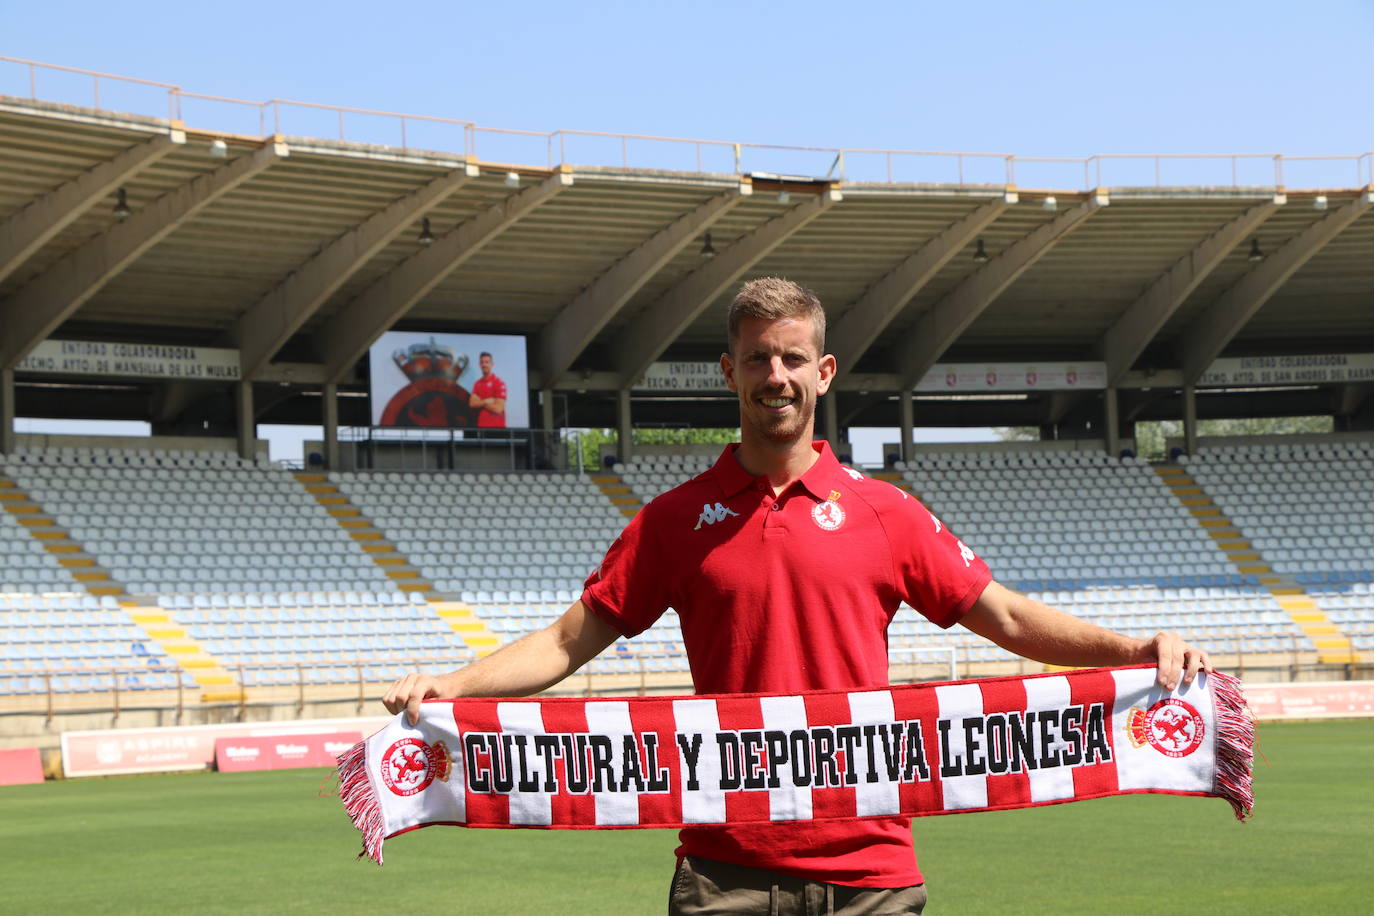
[484, 363]
[778, 374]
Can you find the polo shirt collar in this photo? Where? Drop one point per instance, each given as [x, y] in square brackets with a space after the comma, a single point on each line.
[818, 479]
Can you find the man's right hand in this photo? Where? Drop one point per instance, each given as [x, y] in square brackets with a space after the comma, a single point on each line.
[412, 690]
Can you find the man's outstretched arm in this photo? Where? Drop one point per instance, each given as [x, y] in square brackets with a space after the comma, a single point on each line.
[1038, 631]
[532, 663]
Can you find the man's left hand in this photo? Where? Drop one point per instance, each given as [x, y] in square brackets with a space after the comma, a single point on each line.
[1173, 657]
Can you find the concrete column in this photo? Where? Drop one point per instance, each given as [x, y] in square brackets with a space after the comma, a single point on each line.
[546, 410]
[831, 408]
[547, 439]
[625, 426]
[907, 404]
[330, 401]
[243, 410]
[8, 440]
[1113, 423]
[1190, 419]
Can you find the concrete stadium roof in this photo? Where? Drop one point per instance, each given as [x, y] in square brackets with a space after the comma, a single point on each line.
[300, 252]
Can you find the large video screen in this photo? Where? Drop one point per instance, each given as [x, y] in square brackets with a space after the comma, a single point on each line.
[476, 381]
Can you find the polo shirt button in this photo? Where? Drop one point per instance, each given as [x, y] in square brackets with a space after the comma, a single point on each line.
[776, 506]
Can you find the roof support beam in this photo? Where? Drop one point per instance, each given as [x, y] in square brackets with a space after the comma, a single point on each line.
[31, 228]
[936, 330]
[1125, 340]
[884, 300]
[1060, 403]
[359, 323]
[574, 328]
[1205, 339]
[645, 338]
[34, 312]
[1350, 398]
[266, 326]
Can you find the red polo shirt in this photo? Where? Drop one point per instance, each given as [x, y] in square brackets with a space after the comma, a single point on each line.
[490, 386]
[785, 594]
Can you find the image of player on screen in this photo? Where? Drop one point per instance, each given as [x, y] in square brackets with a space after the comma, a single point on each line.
[488, 395]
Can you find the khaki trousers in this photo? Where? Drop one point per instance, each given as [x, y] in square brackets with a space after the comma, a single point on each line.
[702, 887]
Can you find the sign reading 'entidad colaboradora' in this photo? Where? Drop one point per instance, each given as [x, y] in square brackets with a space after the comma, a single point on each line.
[1303, 369]
[132, 360]
[921, 749]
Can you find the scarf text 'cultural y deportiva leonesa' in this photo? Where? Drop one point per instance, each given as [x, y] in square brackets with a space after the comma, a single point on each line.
[919, 749]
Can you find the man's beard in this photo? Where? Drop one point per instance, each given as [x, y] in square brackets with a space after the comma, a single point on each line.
[786, 429]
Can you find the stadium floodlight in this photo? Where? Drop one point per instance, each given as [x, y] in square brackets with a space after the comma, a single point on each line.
[1319, 202]
[980, 254]
[219, 149]
[1255, 255]
[708, 250]
[512, 179]
[1049, 203]
[121, 207]
[426, 237]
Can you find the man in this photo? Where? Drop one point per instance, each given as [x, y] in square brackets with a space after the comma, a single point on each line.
[489, 394]
[785, 569]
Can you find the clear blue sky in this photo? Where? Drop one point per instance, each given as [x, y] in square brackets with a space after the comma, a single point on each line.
[1040, 78]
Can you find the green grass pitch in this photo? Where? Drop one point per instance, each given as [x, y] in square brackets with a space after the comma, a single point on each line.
[266, 843]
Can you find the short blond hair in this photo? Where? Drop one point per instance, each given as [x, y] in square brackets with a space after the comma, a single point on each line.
[773, 298]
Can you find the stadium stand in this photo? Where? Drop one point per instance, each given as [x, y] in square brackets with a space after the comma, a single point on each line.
[229, 547]
[162, 525]
[651, 476]
[1307, 508]
[225, 545]
[289, 637]
[76, 643]
[491, 536]
[1106, 539]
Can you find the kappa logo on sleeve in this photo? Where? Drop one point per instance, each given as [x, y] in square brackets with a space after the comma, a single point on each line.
[711, 514]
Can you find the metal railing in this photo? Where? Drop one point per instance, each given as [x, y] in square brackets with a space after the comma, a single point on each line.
[389, 448]
[298, 684]
[546, 149]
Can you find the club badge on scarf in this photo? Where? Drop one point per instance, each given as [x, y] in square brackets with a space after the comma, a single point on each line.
[921, 749]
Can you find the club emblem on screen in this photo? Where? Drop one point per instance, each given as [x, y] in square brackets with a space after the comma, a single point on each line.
[433, 397]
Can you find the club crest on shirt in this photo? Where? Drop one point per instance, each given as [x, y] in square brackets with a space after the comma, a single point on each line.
[827, 515]
[1171, 726]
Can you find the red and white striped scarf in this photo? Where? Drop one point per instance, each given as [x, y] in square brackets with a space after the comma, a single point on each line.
[980, 745]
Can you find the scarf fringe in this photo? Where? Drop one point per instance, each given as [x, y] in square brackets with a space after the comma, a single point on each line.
[355, 791]
[1235, 747]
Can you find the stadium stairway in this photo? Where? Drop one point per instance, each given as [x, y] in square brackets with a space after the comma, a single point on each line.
[1333, 646]
[460, 618]
[217, 685]
[614, 488]
[55, 540]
